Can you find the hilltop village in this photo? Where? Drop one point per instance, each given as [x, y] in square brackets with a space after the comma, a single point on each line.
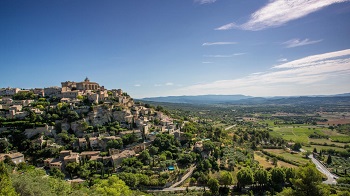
[80, 122]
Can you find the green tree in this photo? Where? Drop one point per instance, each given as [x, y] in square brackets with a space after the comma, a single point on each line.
[226, 178]
[307, 181]
[6, 187]
[213, 185]
[290, 174]
[145, 157]
[329, 159]
[296, 146]
[274, 161]
[56, 173]
[262, 177]
[36, 183]
[71, 168]
[5, 146]
[84, 170]
[278, 176]
[245, 177]
[130, 179]
[111, 186]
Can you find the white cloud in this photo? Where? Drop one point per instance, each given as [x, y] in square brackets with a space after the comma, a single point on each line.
[137, 85]
[218, 43]
[282, 60]
[207, 62]
[314, 59]
[297, 42]
[228, 26]
[224, 56]
[204, 1]
[279, 12]
[318, 74]
[166, 84]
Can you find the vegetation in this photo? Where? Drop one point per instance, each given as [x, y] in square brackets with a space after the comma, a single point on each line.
[243, 149]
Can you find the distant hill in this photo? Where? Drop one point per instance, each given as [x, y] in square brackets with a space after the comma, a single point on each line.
[200, 99]
[242, 99]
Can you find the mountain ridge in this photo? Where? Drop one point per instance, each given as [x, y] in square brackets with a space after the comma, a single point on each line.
[241, 99]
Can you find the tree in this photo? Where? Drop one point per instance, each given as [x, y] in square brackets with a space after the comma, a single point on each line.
[308, 181]
[290, 174]
[245, 177]
[71, 168]
[185, 159]
[329, 159]
[213, 185]
[5, 146]
[117, 144]
[33, 183]
[84, 170]
[112, 186]
[6, 187]
[278, 176]
[145, 157]
[261, 176]
[153, 150]
[296, 146]
[208, 146]
[54, 172]
[274, 161]
[129, 178]
[226, 178]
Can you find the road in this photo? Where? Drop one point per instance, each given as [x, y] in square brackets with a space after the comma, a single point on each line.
[330, 177]
[179, 189]
[227, 128]
[189, 173]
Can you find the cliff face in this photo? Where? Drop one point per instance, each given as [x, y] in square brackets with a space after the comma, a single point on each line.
[99, 116]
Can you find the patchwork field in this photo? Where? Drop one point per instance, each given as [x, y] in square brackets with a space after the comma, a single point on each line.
[318, 148]
[326, 141]
[293, 157]
[261, 158]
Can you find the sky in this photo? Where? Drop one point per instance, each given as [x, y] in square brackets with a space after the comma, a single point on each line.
[179, 47]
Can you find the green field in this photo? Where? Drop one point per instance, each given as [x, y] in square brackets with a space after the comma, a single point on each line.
[318, 147]
[296, 134]
[344, 139]
[293, 157]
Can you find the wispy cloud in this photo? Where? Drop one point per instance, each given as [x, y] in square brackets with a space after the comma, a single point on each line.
[297, 42]
[282, 60]
[314, 59]
[228, 26]
[316, 74]
[207, 62]
[137, 85]
[218, 43]
[204, 1]
[279, 12]
[165, 84]
[224, 55]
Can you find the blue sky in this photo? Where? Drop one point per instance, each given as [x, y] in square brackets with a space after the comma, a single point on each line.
[179, 47]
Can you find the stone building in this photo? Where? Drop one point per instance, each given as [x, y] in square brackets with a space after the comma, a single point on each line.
[52, 91]
[87, 85]
[15, 157]
[8, 91]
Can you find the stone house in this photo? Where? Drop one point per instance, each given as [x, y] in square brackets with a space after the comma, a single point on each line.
[15, 157]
